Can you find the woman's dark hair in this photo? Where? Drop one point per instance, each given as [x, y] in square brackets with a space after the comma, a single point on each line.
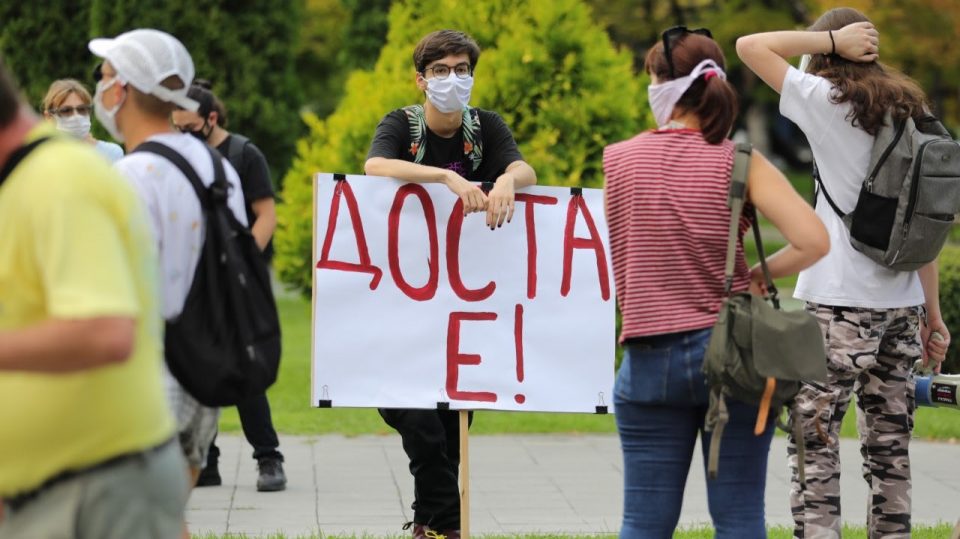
[201, 91]
[441, 44]
[871, 88]
[713, 100]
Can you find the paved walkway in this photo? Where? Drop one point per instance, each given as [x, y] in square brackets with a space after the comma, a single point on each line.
[548, 483]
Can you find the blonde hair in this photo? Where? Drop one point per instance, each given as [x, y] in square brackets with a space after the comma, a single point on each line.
[60, 90]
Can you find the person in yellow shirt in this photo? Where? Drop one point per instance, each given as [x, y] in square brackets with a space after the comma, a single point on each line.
[87, 436]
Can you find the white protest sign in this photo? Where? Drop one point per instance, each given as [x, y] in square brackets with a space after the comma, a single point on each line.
[415, 304]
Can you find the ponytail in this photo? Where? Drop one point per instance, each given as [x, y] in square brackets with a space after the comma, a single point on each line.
[714, 102]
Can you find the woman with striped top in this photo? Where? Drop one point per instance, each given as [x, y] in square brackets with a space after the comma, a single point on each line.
[666, 194]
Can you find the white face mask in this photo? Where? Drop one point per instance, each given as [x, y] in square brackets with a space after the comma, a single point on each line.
[664, 96]
[108, 117]
[450, 94]
[77, 125]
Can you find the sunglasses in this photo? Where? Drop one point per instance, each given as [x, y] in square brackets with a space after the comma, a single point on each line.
[670, 38]
[82, 110]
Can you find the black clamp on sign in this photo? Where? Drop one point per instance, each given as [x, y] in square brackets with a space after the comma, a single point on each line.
[338, 177]
[576, 191]
[325, 401]
[601, 408]
[443, 403]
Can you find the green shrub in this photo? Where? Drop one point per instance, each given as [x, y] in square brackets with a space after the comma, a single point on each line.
[546, 67]
[950, 302]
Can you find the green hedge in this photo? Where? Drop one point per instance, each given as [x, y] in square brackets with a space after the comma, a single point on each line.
[44, 41]
[546, 67]
[247, 49]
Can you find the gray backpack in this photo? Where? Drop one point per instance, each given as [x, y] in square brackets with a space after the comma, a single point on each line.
[909, 199]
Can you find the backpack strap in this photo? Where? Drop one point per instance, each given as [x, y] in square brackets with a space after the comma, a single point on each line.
[18, 155]
[217, 191]
[235, 150]
[472, 139]
[736, 199]
[826, 195]
[417, 125]
[715, 421]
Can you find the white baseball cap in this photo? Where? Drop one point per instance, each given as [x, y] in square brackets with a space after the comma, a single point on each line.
[145, 58]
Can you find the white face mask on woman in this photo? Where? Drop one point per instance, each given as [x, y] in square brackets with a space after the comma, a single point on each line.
[450, 94]
[107, 117]
[664, 96]
[76, 124]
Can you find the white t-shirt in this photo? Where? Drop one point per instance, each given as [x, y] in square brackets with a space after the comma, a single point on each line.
[113, 152]
[845, 277]
[174, 209]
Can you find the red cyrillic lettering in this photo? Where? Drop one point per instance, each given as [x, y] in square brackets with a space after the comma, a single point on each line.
[455, 358]
[530, 200]
[454, 225]
[343, 189]
[578, 205]
[428, 290]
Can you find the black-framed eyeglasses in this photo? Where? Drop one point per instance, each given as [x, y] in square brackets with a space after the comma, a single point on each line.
[442, 71]
[670, 38]
[82, 110]
[98, 72]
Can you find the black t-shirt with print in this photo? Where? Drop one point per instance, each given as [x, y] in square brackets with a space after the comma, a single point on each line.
[392, 141]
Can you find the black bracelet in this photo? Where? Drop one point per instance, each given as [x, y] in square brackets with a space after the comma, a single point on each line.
[833, 44]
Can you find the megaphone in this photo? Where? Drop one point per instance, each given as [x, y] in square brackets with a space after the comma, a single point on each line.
[938, 390]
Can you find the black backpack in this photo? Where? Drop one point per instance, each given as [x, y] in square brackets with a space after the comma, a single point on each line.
[224, 346]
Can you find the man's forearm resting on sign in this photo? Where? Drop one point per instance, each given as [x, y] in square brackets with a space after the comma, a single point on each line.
[60, 345]
[405, 170]
[523, 174]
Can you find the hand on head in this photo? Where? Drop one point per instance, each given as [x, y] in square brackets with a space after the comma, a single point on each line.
[858, 42]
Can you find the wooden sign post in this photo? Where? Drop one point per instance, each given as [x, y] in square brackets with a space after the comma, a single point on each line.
[464, 474]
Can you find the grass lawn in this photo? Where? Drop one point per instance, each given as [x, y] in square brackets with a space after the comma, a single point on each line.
[849, 532]
[292, 413]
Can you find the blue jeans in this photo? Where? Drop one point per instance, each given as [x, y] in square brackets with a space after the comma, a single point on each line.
[661, 399]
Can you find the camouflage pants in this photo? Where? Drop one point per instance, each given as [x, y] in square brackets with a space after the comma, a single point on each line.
[869, 352]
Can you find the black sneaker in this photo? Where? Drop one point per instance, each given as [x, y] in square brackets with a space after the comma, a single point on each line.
[271, 477]
[209, 476]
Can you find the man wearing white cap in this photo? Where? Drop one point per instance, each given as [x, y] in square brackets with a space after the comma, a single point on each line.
[144, 77]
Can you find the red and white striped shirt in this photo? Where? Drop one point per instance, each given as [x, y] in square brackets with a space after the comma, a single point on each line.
[668, 218]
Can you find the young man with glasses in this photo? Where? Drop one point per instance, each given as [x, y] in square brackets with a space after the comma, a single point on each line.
[445, 141]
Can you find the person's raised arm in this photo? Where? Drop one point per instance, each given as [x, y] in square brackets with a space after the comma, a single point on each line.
[778, 201]
[765, 54]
